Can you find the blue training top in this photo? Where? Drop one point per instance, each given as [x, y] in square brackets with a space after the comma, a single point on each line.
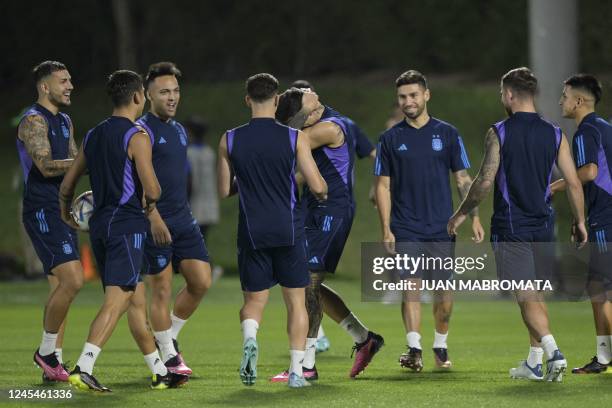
[171, 167]
[263, 157]
[418, 162]
[593, 144]
[528, 150]
[117, 190]
[41, 192]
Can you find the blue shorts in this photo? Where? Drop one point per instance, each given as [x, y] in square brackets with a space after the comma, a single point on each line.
[119, 258]
[326, 236]
[434, 253]
[187, 243]
[600, 257]
[54, 241]
[261, 269]
[524, 256]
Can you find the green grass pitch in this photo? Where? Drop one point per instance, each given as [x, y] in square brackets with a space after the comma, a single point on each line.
[486, 339]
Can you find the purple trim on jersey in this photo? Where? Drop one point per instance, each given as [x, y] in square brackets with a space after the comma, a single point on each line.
[24, 159]
[89, 132]
[293, 135]
[338, 122]
[246, 217]
[230, 141]
[148, 130]
[339, 156]
[128, 182]
[500, 177]
[558, 143]
[603, 179]
[128, 135]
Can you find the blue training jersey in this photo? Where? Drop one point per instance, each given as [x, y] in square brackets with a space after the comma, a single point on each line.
[171, 166]
[363, 146]
[336, 165]
[593, 144]
[263, 157]
[41, 192]
[528, 150]
[418, 162]
[117, 190]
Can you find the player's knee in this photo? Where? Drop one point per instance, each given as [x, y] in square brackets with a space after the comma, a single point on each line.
[199, 286]
[72, 285]
[161, 293]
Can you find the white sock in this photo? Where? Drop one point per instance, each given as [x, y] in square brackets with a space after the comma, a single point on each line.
[440, 340]
[249, 329]
[297, 360]
[414, 340]
[603, 349]
[549, 345]
[177, 325]
[166, 346]
[58, 354]
[355, 328]
[535, 356]
[47, 344]
[310, 352]
[321, 333]
[88, 358]
[155, 364]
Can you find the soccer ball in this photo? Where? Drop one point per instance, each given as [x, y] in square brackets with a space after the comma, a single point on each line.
[82, 208]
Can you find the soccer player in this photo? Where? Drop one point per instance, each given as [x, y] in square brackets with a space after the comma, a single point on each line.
[327, 227]
[117, 154]
[414, 202]
[175, 240]
[520, 152]
[45, 142]
[259, 160]
[592, 147]
[333, 305]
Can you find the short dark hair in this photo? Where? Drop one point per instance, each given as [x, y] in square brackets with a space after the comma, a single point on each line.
[302, 84]
[161, 69]
[46, 68]
[520, 80]
[122, 85]
[411, 77]
[261, 87]
[586, 82]
[289, 103]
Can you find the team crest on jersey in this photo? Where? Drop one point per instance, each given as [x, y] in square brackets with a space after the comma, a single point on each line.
[161, 261]
[65, 131]
[436, 143]
[67, 248]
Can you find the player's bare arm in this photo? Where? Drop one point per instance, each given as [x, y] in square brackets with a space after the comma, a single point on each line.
[482, 183]
[140, 150]
[73, 150]
[586, 174]
[325, 134]
[382, 186]
[574, 191]
[33, 133]
[66, 190]
[307, 166]
[464, 182]
[226, 183]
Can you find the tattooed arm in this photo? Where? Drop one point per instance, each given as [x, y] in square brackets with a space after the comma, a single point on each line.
[464, 181]
[33, 133]
[73, 149]
[481, 185]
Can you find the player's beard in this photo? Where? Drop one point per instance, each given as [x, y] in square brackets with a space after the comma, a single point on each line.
[58, 101]
[415, 114]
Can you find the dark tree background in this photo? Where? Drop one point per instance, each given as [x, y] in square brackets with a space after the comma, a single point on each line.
[226, 40]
